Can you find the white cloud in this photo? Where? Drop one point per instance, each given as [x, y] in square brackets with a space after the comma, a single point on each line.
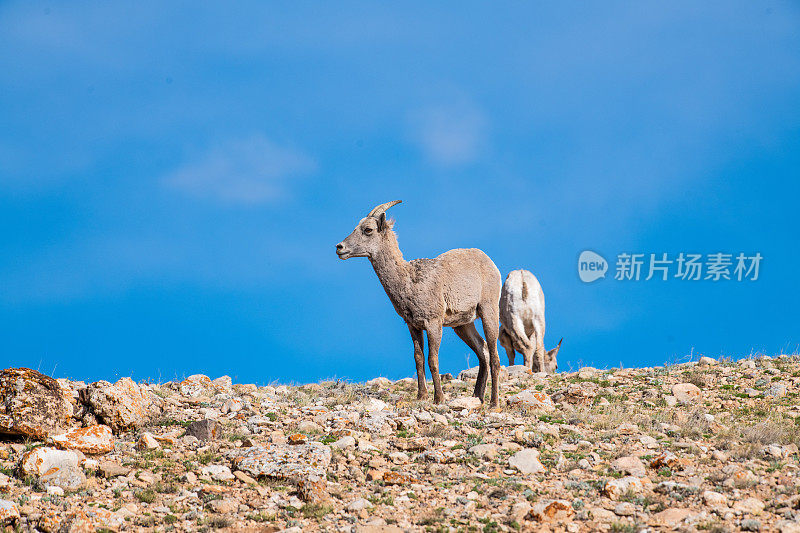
[246, 171]
[451, 134]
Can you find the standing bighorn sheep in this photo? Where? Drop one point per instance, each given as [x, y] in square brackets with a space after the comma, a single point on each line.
[522, 316]
[452, 290]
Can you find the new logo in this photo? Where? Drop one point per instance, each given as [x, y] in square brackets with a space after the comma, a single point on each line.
[591, 266]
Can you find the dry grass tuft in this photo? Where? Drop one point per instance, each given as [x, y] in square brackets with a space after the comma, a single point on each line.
[700, 378]
[437, 431]
[770, 432]
[746, 440]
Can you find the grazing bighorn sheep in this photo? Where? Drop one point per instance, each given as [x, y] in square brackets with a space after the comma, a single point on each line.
[522, 317]
[452, 290]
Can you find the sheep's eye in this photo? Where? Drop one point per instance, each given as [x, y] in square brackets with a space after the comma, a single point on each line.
[367, 231]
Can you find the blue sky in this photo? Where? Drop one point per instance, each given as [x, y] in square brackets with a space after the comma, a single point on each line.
[174, 177]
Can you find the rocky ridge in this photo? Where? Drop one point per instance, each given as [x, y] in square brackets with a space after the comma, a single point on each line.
[702, 446]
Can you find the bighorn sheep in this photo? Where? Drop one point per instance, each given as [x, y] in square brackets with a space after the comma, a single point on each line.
[452, 290]
[522, 317]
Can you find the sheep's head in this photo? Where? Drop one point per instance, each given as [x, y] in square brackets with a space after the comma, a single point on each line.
[550, 361]
[366, 239]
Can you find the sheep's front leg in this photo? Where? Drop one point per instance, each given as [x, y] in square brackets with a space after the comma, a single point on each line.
[536, 341]
[505, 341]
[419, 359]
[434, 340]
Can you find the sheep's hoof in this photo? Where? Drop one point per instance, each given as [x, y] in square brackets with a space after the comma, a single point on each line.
[422, 395]
[438, 399]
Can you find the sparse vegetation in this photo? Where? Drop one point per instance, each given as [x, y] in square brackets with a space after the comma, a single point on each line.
[146, 496]
[409, 462]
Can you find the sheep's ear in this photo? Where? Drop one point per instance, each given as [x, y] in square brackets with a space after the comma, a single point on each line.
[382, 222]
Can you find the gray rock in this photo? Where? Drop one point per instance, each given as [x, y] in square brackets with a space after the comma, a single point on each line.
[372, 405]
[436, 456]
[484, 450]
[122, 406]
[518, 372]
[345, 442]
[109, 469]
[629, 465]
[532, 399]
[686, 392]
[465, 402]
[189, 441]
[776, 391]
[671, 517]
[309, 427]
[714, 499]
[9, 512]
[749, 505]
[32, 404]
[224, 506]
[788, 526]
[224, 383]
[60, 468]
[379, 422]
[472, 373]
[233, 405]
[217, 472]
[616, 488]
[284, 461]
[527, 461]
[147, 442]
[773, 450]
[750, 524]
[207, 412]
[204, 430]
[358, 504]
[624, 509]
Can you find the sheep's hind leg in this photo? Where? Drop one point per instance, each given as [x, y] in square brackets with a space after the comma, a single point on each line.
[490, 317]
[434, 340]
[472, 338]
[419, 359]
[528, 360]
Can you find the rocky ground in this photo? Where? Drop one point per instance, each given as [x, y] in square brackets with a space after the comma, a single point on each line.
[711, 446]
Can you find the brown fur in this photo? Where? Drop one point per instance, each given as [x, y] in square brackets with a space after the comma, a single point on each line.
[451, 290]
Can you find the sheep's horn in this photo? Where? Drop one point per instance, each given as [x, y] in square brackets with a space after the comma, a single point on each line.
[376, 212]
[554, 351]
